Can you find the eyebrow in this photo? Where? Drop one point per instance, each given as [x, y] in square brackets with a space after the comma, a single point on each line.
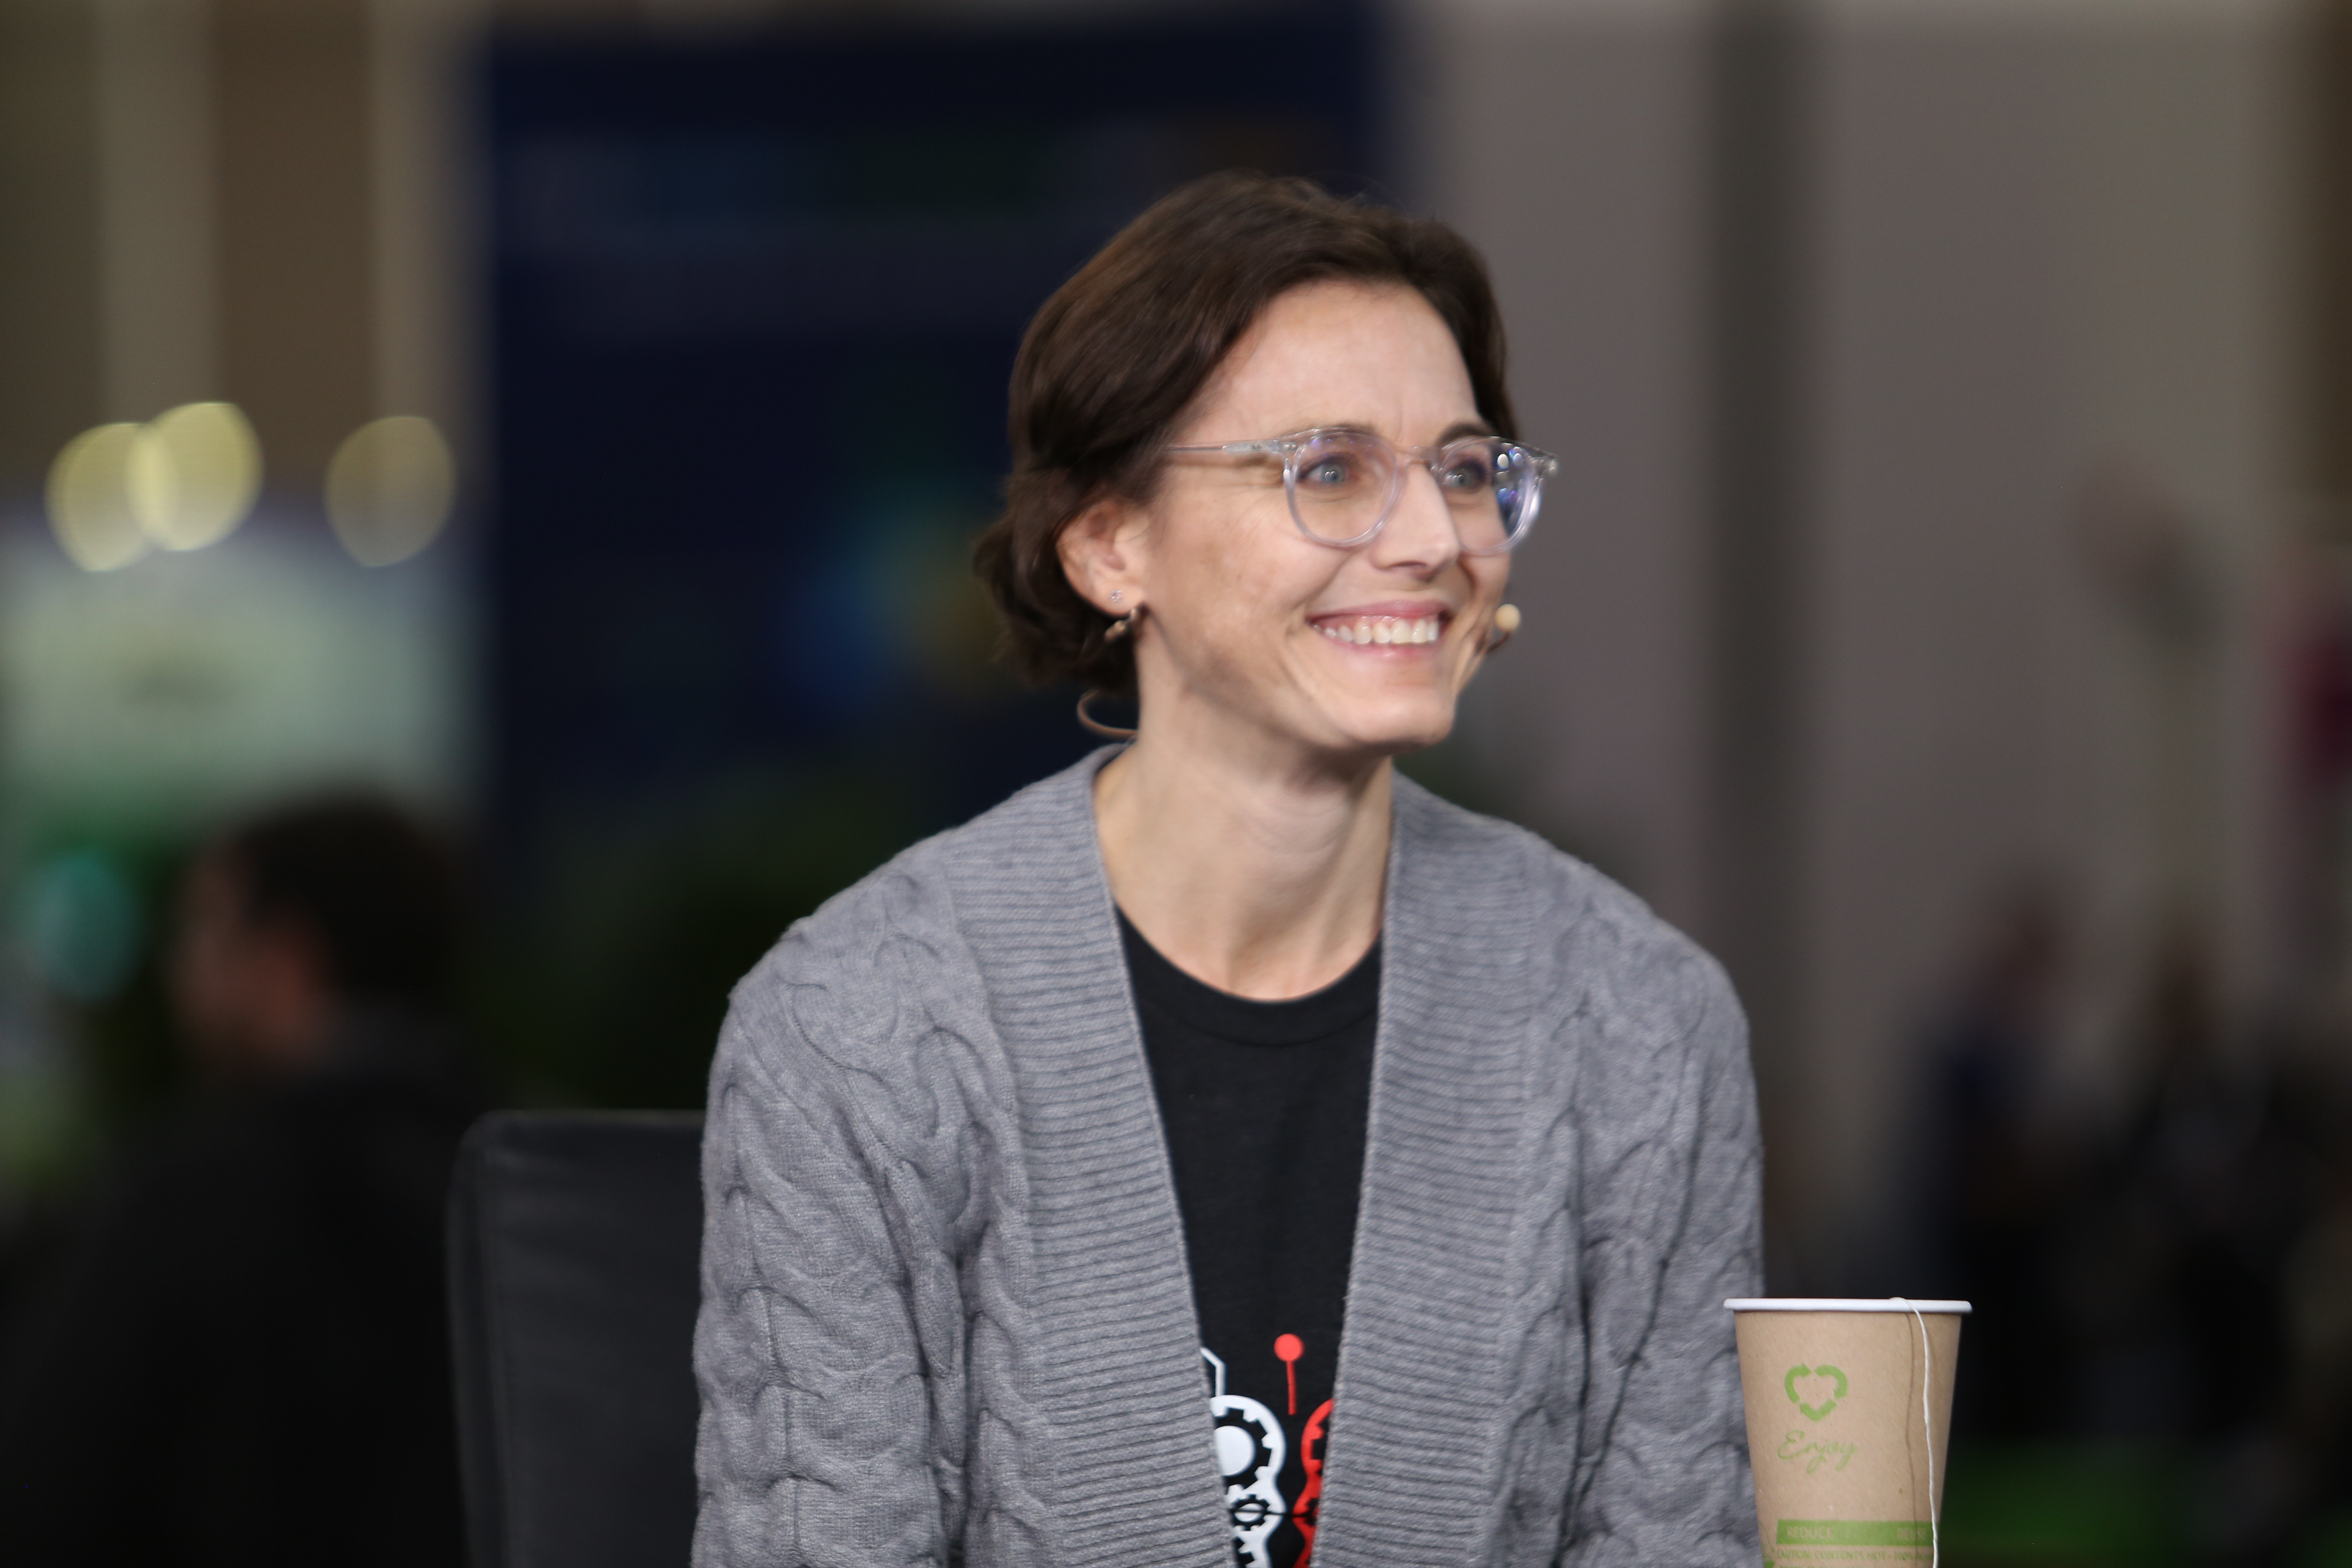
[1460, 429]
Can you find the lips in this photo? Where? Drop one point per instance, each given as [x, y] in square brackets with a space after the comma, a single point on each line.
[1385, 625]
[1391, 630]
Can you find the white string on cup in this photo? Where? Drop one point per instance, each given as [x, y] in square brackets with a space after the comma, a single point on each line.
[1928, 1425]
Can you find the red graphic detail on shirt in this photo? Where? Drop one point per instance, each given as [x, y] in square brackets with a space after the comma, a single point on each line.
[1287, 1349]
[1311, 1497]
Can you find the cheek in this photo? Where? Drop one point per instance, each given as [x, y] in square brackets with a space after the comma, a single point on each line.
[1242, 581]
[1490, 576]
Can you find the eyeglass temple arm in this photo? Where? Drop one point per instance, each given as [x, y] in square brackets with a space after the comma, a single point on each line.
[1238, 447]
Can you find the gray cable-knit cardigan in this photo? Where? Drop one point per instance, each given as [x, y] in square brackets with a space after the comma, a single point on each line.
[946, 1316]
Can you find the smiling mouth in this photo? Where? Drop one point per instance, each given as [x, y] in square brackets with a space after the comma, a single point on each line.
[1395, 631]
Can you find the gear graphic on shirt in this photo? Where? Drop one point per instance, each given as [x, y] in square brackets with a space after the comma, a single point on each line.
[1265, 1441]
[1250, 1451]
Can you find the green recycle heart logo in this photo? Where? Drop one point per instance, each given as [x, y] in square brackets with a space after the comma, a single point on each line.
[1814, 1412]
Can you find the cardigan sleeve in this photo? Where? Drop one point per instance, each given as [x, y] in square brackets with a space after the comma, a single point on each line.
[1667, 1475]
[815, 1446]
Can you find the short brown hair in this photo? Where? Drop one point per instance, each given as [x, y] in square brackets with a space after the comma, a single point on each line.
[375, 888]
[1113, 360]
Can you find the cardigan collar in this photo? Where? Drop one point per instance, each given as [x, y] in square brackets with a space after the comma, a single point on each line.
[1415, 1455]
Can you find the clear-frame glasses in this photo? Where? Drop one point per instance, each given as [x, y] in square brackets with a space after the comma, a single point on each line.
[1344, 484]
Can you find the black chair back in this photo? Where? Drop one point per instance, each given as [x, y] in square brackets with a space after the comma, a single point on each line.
[575, 1247]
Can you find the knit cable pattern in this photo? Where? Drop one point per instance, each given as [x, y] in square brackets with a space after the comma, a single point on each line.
[946, 1317]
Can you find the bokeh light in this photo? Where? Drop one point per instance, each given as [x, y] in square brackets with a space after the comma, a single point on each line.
[389, 488]
[194, 473]
[183, 480]
[91, 507]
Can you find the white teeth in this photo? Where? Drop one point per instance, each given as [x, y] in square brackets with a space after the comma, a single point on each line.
[1388, 630]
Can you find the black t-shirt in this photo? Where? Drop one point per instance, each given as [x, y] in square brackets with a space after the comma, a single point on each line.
[1265, 1104]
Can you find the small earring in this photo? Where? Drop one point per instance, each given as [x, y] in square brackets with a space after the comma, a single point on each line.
[1507, 622]
[1123, 624]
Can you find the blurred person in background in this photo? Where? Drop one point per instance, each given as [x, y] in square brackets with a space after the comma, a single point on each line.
[247, 1360]
[1990, 1165]
[2181, 1253]
[1225, 1148]
[2184, 1220]
[2319, 1297]
[2175, 1268]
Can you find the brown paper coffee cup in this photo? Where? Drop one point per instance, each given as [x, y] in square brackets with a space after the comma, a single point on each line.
[1849, 1405]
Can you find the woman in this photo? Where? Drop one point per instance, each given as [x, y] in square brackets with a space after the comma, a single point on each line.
[1148, 1084]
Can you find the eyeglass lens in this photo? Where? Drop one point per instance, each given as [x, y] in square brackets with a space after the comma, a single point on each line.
[1343, 485]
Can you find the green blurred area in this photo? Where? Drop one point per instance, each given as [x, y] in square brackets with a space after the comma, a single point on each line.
[2066, 1506]
[2107, 1505]
[614, 997]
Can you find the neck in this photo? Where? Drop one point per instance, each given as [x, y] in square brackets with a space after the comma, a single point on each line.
[1252, 869]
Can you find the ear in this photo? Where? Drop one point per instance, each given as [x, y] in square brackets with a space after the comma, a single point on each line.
[1101, 556]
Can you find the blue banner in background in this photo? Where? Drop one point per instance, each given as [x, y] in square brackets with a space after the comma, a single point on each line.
[754, 301]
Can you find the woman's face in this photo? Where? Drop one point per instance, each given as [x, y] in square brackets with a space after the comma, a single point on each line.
[1247, 618]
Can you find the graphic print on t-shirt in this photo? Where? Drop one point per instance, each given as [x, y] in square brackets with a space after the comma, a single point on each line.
[1250, 1451]
[1252, 1443]
[1308, 1507]
[1265, 1108]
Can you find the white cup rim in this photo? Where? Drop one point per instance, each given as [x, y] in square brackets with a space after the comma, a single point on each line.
[1841, 1304]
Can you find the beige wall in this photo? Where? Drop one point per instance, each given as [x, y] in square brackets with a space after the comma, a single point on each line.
[262, 200]
[51, 373]
[296, 185]
[2045, 255]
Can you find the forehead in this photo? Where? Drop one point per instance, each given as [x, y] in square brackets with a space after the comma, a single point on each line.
[1345, 352]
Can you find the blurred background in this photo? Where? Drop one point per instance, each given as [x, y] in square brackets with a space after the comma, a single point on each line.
[567, 419]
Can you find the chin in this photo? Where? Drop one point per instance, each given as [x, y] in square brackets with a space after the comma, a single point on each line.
[1391, 729]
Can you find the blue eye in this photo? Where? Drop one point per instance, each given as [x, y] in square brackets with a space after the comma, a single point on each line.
[1468, 474]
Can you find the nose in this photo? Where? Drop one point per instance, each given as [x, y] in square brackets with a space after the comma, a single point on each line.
[1419, 536]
